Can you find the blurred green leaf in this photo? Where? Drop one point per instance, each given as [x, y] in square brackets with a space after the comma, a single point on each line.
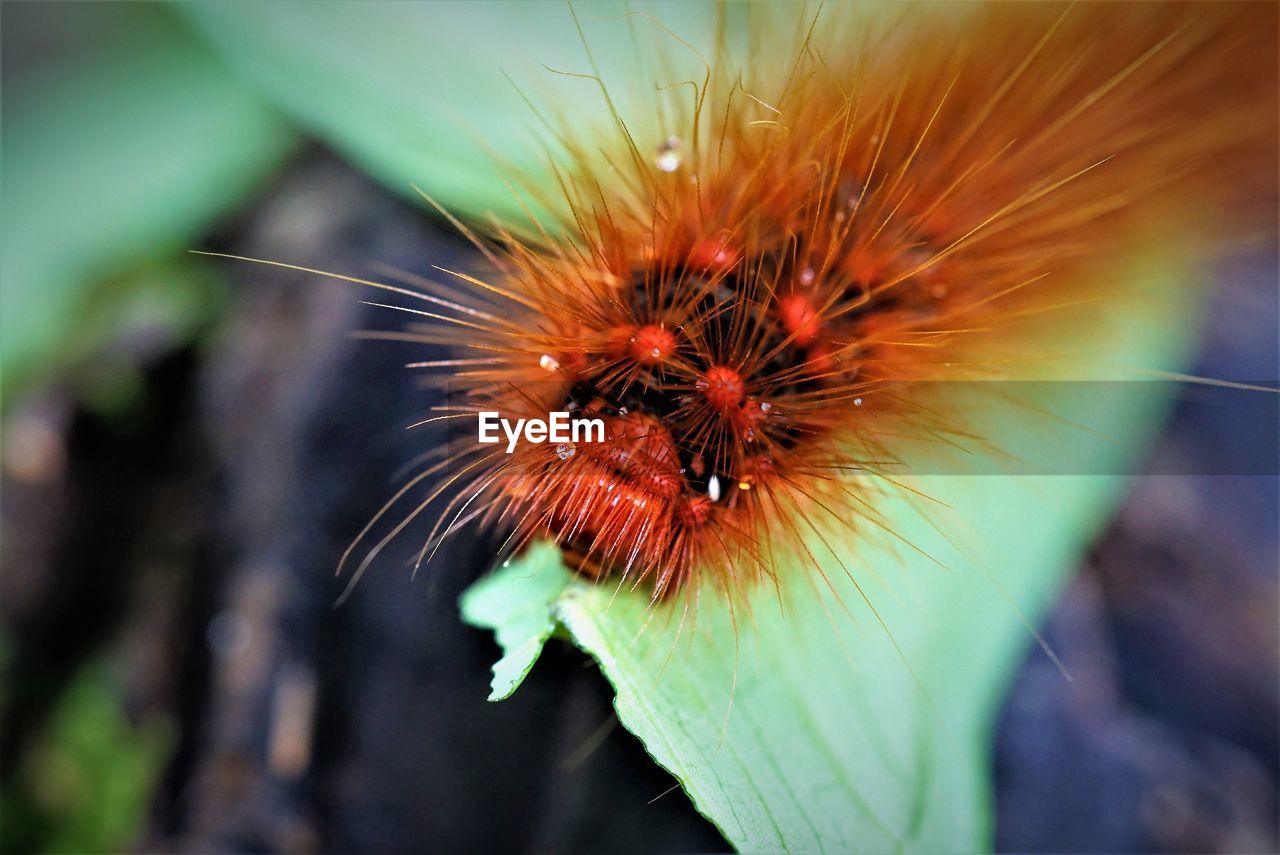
[130, 317]
[426, 93]
[852, 729]
[113, 155]
[85, 785]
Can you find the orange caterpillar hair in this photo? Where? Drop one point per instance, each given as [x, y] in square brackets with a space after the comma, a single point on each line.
[735, 301]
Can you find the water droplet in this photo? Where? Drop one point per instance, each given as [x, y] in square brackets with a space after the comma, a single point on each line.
[668, 157]
[765, 407]
[566, 450]
[713, 488]
[549, 362]
[806, 276]
[857, 402]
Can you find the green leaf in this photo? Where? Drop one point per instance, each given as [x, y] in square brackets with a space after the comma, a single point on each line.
[431, 93]
[811, 721]
[85, 783]
[127, 318]
[118, 154]
[519, 612]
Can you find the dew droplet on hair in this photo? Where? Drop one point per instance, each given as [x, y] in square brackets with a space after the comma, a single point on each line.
[668, 157]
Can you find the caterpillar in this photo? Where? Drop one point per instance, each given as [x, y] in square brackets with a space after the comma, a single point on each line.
[749, 298]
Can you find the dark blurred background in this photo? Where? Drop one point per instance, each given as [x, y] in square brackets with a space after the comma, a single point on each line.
[177, 489]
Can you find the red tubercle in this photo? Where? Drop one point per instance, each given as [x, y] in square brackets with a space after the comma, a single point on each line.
[715, 254]
[799, 318]
[723, 388]
[652, 344]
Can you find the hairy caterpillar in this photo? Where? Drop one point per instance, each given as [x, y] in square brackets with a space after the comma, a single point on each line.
[749, 297]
